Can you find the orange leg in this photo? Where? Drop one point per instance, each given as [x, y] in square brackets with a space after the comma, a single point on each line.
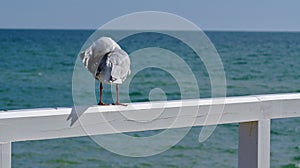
[101, 102]
[117, 97]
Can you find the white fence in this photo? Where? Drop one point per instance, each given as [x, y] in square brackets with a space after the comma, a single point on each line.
[253, 113]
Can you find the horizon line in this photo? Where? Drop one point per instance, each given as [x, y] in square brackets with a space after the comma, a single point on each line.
[205, 30]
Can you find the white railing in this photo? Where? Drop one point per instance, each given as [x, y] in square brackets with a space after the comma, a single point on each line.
[253, 113]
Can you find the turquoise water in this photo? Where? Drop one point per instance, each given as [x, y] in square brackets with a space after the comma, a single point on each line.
[36, 71]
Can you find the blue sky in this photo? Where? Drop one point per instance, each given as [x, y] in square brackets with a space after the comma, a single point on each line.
[274, 15]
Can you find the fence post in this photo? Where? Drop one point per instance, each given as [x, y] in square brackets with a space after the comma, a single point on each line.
[254, 144]
[5, 155]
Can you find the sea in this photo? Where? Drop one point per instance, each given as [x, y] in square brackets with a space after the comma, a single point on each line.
[36, 71]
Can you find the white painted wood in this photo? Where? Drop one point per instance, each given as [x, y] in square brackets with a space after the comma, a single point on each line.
[35, 124]
[264, 133]
[5, 155]
[254, 144]
[252, 112]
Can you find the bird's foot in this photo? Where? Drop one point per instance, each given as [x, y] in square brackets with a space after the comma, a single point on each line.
[118, 103]
[102, 104]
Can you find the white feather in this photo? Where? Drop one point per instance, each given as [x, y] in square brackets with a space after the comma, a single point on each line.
[106, 61]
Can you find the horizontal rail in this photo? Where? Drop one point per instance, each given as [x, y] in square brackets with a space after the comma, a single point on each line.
[36, 124]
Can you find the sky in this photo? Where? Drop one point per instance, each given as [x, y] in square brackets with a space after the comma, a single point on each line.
[243, 15]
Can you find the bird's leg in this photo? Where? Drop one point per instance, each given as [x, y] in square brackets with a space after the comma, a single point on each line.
[100, 102]
[117, 97]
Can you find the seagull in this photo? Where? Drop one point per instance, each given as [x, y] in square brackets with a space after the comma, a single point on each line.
[108, 63]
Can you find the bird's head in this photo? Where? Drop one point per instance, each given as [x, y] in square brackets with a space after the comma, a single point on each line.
[104, 45]
[92, 56]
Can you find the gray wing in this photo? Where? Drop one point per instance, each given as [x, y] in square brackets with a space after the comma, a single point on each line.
[120, 64]
[104, 69]
[91, 58]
